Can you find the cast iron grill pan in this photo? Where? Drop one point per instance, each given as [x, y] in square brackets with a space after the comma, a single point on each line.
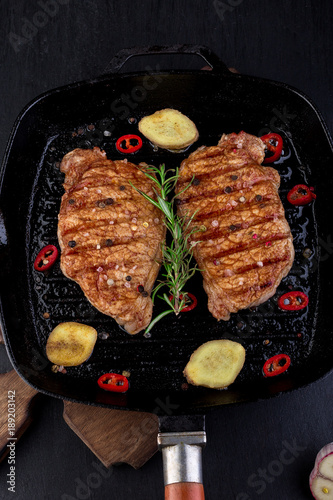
[83, 115]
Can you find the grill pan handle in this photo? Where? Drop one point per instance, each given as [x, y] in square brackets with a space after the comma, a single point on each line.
[182, 464]
[210, 58]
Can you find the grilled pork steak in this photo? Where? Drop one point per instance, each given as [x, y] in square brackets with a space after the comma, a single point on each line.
[110, 236]
[244, 247]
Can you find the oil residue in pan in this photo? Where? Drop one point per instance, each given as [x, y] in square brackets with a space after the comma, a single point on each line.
[157, 362]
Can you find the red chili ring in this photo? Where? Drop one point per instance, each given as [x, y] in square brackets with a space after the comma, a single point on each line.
[129, 148]
[276, 149]
[301, 195]
[189, 307]
[293, 301]
[273, 366]
[113, 382]
[46, 258]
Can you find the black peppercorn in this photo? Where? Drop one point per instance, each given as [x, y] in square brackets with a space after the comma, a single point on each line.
[196, 181]
[72, 243]
[122, 188]
[258, 197]
[71, 202]
[227, 189]
[234, 177]
[145, 294]
[128, 278]
[108, 242]
[109, 201]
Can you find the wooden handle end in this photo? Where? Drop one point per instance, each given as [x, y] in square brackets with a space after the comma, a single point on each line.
[184, 491]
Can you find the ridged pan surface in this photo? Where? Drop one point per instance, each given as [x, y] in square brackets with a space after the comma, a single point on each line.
[97, 113]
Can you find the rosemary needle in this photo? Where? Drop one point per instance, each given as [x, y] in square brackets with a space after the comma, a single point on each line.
[176, 256]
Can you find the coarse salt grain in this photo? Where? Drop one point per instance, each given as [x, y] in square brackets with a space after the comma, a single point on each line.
[110, 281]
[99, 269]
[127, 284]
[111, 221]
[134, 267]
[105, 276]
[156, 220]
[98, 247]
[242, 199]
[116, 267]
[134, 220]
[134, 228]
[85, 188]
[126, 160]
[98, 191]
[260, 264]
[215, 223]
[234, 203]
[94, 210]
[85, 234]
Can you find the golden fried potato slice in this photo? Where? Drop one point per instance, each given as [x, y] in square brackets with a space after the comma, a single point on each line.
[169, 129]
[70, 344]
[215, 364]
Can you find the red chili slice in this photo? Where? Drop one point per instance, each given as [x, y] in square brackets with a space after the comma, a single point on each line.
[191, 306]
[293, 301]
[276, 364]
[125, 143]
[274, 144]
[301, 195]
[113, 382]
[46, 258]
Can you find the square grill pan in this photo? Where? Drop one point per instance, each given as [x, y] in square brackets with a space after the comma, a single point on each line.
[97, 112]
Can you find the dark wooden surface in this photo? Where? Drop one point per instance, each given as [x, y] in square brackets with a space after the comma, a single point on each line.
[256, 451]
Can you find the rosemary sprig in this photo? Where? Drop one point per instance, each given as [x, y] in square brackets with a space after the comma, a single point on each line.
[177, 256]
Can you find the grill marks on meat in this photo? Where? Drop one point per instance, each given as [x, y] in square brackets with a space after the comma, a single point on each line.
[110, 236]
[244, 247]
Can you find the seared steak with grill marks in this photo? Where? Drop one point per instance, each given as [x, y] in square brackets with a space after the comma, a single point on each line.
[110, 236]
[245, 246]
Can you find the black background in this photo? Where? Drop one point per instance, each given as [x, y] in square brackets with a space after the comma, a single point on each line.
[281, 40]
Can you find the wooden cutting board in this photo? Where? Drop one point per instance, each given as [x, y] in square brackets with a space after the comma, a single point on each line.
[114, 436]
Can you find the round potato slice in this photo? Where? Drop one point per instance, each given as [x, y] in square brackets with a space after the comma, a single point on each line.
[169, 129]
[215, 364]
[70, 344]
